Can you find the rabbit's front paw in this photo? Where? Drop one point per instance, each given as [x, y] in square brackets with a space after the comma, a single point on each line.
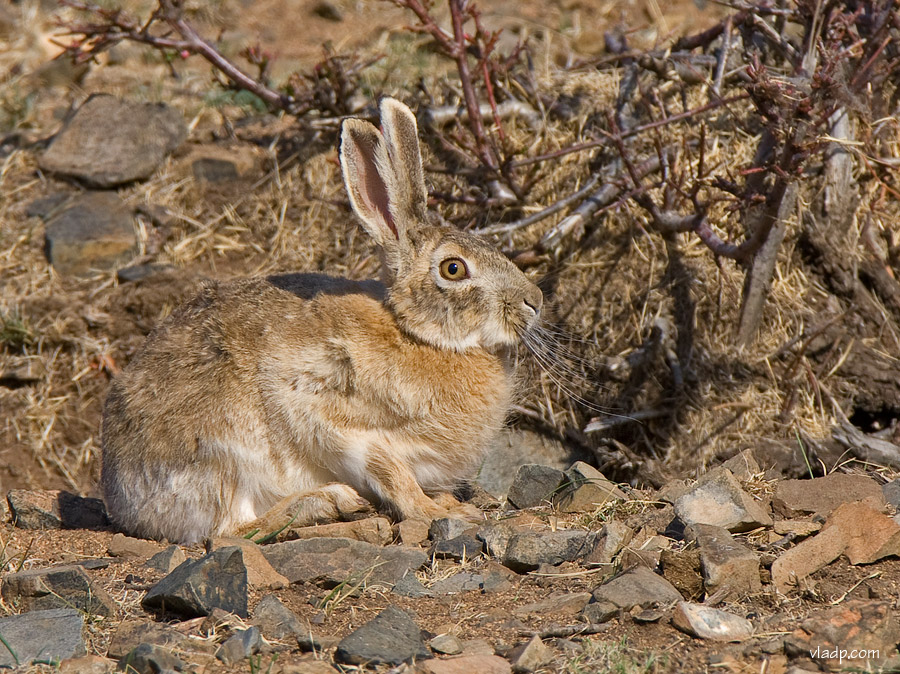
[453, 508]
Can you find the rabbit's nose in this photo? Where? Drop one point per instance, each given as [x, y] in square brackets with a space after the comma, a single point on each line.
[534, 299]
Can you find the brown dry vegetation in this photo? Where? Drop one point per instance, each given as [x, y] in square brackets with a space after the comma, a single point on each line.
[647, 323]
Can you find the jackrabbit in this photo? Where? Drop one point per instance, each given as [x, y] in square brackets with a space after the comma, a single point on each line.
[305, 392]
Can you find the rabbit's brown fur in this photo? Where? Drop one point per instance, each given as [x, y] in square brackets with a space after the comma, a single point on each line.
[322, 388]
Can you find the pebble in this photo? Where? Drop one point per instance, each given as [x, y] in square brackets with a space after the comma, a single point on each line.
[218, 580]
[411, 532]
[239, 646]
[585, 489]
[797, 528]
[527, 551]
[94, 231]
[333, 560]
[727, 565]
[534, 485]
[54, 509]
[510, 449]
[56, 587]
[718, 499]
[275, 620]
[167, 560]
[637, 587]
[260, 574]
[466, 664]
[462, 581]
[389, 638]
[706, 622]
[466, 547]
[570, 603]
[614, 536]
[110, 141]
[126, 546]
[744, 465]
[446, 644]
[530, 656]
[448, 528]
[130, 634]
[410, 586]
[374, 530]
[54, 634]
[150, 659]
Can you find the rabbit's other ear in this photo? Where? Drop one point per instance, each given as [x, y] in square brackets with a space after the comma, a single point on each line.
[369, 180]
[401, 135]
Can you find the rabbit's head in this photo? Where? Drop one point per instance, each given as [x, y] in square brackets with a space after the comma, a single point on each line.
[448, 288]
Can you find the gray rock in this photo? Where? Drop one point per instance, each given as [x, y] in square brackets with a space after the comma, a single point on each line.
[585, 489]
[51, 635]
[527, 551]
[150, 659]
[743, 465]
[600, 612]
[513, 448]
[94, 231]
[530, 656]
[461, 547]
[60, 587]
[167, 560]
[570, 603]
[109, 141]
[275, 620]
[534, 485]
[196, 587]
[389, 638]
[821, 495]
[446, 644]
[613, 537]
[239, 646]
[718, 499]
[410, 586]
[462, 581]
[446, 528]
[44, 207]
[54, 509]
[637, 587]
[706, 622]
[726, 564]
[126, 546]
[496, 537]
[891, 492]
[330, 561]
[130, 634]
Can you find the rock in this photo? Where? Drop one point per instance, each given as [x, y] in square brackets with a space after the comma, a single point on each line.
[50, 635]
[447, 644]
[534, 485]
[125, 546]
[374, 530]
[496, 537]
[390, 638]
[466, 664]
[682, 569]
[807, 557]
[260, 574]
[497, 578]
[44, 207]
[167, 560]
[239, 646]
[530, 656]
[87, 664]
[141, 272]
[743, 465]
[511, 449]
[54, 509]
[672, 491]
[637, 587]
[447, 528]
[412, 532]
[218, 580]
[647, 553]
[858, 634]
[718, 499]
[316, 643]
[330, 561]
[821, 495]
[410, 586]
[94, 231]
[275, 620]
[797, 528]
[706, 622]
[871, 535]
[527, 551]
[462, 581]
[726, 564]
[130, 634]
[461, 547]
[586, 489]
[891, 493]
[600, 612]
[570, 603]
[59, 587]
[613, 537]
[150, 659]
[109, 141]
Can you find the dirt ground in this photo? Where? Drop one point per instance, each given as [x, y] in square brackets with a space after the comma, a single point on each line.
[64, 338]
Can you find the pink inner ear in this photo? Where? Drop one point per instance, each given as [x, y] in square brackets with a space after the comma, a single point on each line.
[375, 194]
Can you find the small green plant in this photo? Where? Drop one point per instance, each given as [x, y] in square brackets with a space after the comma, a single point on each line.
[256, 664]
[14, 332]
[615, 657]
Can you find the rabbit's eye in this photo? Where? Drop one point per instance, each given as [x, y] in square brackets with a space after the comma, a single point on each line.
[454, 269]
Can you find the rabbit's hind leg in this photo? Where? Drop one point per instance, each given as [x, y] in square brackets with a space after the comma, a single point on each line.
[328, 503]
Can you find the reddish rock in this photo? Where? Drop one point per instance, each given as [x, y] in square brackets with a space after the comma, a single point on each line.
[806, 558]
[465, 664]
[821, 495]
[374, 530]
[871, 535]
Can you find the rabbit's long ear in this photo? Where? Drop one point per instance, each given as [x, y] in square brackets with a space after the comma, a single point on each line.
[369, 180]
[409, 196]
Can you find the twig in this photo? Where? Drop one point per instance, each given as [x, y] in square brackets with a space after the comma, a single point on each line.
[568, 631]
